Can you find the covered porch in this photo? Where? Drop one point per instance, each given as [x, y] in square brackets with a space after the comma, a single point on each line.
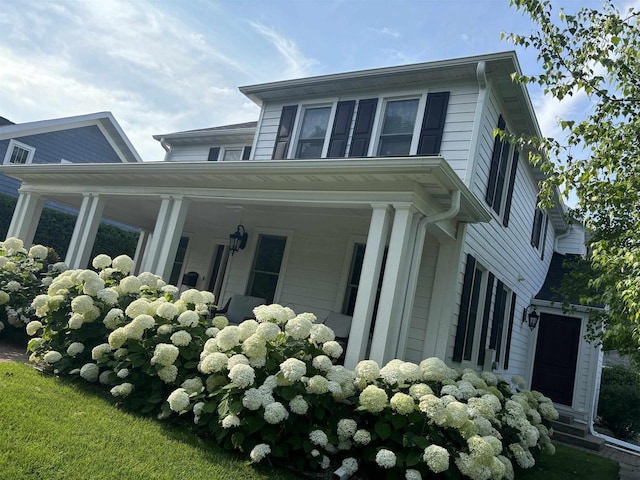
[353, 236]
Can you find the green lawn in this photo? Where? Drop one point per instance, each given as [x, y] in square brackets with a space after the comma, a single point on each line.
[53, 430]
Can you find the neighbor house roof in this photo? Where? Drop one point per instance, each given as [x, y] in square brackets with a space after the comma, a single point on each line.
[105, 121]
[234, 133]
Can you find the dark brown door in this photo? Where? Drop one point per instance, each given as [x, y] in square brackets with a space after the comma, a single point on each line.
[554, 369]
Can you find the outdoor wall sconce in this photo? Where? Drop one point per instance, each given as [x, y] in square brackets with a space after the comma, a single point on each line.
[531, 316]
[238, 240]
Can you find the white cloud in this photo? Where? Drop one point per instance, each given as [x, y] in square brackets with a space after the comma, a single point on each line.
[298, 64]
[386, 31]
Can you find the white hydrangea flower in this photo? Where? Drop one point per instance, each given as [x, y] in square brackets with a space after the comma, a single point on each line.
[178, 400]
[105, 377]
[90, 372]
[318, 385]
[213, 362]
[74, 349]
[259, 452]
[237, 359]
[39, 251]
[299, 327]
[318, 437]
[123, 373]
[321, 334]
[418, 390]
[198, 409]
[193, 385]
[367, 371]
[13, 245]
[373, 399]
[350, 465]
[268, 331]
[252, 399]
[108, 295]
[118, 337]
[101, 261]
[81, 304]
[220, 321]
[181, 338]
[113, 318]
[456, 414]
[242, 375]
[189, 318]
[148, 279]
[346, 428]
[332, 348]
[33, 327]
[274, 312]
[123, 264]
[434, 408]
[165, 354]
[391, 373]
[402, 403]
[434, 369]
[275, 413]
[298, 405]
[247, 328]
[293, 369]
[230, 421]
[100, 351]
[122, 390]
[322, 363]
[13, 286]
[362, 437]
[436, 458]
[191, 296]
[130, 285]
[211, 331]
[386, 458]
[254, 347]
[137, 307]
[52, 357]
[412, 474]
[168, 374]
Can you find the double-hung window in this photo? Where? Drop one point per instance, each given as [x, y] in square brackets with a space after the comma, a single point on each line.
[232, 154]
[313, 132]
[265, 270]
[398, 124]
[18, 153]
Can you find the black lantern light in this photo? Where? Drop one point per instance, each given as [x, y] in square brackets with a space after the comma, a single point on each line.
[238, 240]
[531, 316]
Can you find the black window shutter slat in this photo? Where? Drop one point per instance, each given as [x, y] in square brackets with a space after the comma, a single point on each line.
[507, 349]
[512, 182]
[213, 154]
[544, 236]
[485, 318]
[473, 314]
[435, 114]
[363, 127]
[285, 129]
[498, 319]
[340, 131]
[465, 299]
[537, 225]
[495, 163]
[246, 152]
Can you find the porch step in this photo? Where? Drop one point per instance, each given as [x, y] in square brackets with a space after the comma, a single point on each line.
[575, 429]
[588, 441]
[565, 418]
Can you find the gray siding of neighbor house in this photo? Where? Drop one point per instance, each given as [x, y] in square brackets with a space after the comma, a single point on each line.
[78, 145]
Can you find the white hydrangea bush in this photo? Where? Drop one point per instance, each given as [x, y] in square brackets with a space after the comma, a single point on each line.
[24, 274]
[133, 333]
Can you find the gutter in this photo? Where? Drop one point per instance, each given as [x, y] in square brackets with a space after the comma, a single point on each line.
[612, 442]
[167, 149]
[415, 261]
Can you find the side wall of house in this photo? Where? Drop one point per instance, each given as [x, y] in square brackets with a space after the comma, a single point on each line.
[506, 252]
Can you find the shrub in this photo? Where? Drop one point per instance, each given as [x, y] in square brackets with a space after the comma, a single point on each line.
[619, 404]
[271, 388]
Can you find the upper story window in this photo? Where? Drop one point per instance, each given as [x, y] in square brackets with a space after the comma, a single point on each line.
[18, 153]
[539, 230]
[397, 127]
[313, 132]
[364, 127]
[231, 154]
[502, 176]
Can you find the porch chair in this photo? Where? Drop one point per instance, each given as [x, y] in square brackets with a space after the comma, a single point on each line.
[239, 308]
[341, 326]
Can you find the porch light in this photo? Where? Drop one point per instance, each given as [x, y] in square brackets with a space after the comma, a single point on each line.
[238, 240]
[531, 316]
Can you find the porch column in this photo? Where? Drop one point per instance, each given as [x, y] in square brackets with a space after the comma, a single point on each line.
[394, 284]
[25, 218]
[161, 254]
[85, 230]
[369, 276]
[143, 241]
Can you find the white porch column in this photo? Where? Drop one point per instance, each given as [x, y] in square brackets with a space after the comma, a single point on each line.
[25, 218]
[143, 240]
[85, 230]
[394, 283]
[161, 254]
[369, 277]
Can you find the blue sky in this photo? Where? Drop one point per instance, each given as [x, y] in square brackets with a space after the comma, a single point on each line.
[169, 65]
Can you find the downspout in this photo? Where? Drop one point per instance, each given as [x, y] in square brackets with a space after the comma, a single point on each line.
[167, 149]
[414, 271]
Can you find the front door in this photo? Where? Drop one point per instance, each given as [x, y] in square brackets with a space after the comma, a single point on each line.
[554, 369]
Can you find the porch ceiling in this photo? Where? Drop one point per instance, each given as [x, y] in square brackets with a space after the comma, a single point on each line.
[426, 182]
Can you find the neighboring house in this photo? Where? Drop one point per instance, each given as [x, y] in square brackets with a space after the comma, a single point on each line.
[381, 195]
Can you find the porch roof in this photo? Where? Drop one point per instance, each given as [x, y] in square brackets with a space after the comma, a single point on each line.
[426, 182]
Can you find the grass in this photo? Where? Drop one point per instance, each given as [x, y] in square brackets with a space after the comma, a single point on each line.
[50, 429]
[54, 430]
[570, 463]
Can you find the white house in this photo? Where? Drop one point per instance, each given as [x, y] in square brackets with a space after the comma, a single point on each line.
[381, 195]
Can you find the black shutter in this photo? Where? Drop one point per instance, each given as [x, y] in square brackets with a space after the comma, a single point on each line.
[510, 330]
[544, 236]
[213, 154]
[498, 319]
[340, 131]
[246, 152]
[363, 127]
[285, 129]
[537, 226]
[495, 163]
[435, 113]
[512, 182]
[485, 318]
[465, 300]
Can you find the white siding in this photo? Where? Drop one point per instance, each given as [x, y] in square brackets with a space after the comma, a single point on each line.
[573, 241]
[189, 153]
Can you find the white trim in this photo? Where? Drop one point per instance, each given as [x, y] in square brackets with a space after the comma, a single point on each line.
[346, 269]
[331, 104]
[13, 144]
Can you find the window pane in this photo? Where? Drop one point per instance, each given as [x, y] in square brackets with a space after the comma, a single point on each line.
[233, 154]
[264, 285]
[310, 148]
[400, 117]
[269, 253]
[177, 264]
[395, 146]
[315, 123]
